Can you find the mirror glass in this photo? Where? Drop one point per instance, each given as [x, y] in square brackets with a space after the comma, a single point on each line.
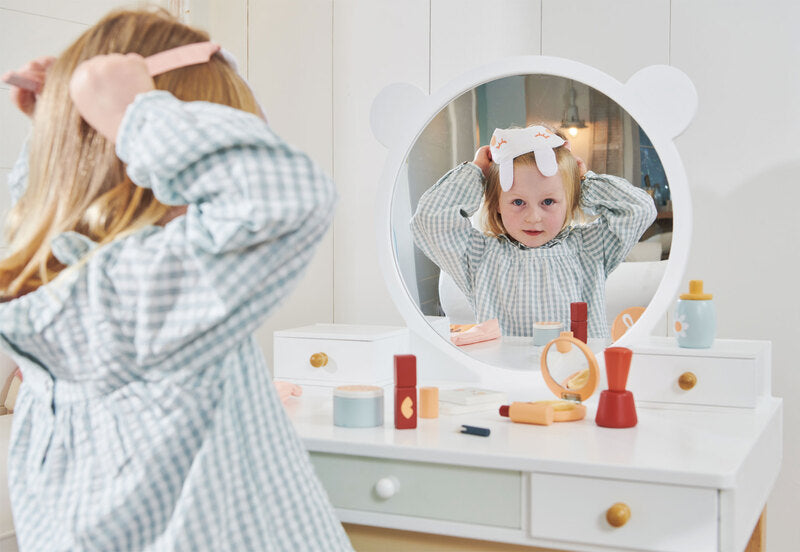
[568, 367]
[600, 132]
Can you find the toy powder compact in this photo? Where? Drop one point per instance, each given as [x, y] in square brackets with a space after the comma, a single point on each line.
[570, 370]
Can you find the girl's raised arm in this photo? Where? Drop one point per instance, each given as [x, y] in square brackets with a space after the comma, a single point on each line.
[441, 226]
[625, 213]
[257, 208]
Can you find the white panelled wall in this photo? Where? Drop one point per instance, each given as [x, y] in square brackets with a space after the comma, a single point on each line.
[316, 65]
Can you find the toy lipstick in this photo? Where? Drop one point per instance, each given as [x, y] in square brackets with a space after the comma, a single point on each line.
[578, 316]
[405, 391]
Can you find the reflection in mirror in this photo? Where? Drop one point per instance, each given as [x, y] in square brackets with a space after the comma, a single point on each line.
[568, 367]
[600, 132]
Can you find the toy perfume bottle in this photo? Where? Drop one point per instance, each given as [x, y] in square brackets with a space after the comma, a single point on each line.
[695, 318]
[616, 407]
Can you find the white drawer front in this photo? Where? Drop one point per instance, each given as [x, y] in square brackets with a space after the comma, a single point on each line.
[368, 362]
[720, 381]
[663, 518]
[421, 489]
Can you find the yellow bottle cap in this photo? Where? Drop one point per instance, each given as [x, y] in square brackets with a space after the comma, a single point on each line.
[696, 292]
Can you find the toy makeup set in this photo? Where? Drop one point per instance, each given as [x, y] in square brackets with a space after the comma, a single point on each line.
[570, 371]
[363, 405]
[568, 367]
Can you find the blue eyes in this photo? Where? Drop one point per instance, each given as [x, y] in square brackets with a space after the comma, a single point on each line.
[519, 203]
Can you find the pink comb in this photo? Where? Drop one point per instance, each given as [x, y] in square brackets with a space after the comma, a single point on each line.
[182, 56]
[15, 79]
[175, 58]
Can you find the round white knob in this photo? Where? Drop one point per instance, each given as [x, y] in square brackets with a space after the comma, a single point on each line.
[387, 487]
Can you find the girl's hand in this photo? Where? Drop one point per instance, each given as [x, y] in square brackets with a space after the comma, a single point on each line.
[483, 159]
[581, 166]
[35, 71]
[104, 86]
[287, 390]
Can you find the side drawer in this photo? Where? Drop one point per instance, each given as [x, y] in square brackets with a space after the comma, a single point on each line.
[348, 361]
[663, 518]
[436, 491]
[719, 381]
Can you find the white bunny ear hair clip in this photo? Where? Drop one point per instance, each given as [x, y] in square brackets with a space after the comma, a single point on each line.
[508, 144]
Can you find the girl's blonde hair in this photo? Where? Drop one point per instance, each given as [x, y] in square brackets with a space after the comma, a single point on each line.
[489, 216]
[76, 182]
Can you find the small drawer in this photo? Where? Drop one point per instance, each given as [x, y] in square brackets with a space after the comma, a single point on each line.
[662, 518]
[420, 489]
[337, 354]
[730, 373]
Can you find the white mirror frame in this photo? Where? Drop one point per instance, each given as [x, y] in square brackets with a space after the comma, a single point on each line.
[660, 98]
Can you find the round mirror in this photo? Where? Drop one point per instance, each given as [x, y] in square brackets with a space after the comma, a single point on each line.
[612, 127]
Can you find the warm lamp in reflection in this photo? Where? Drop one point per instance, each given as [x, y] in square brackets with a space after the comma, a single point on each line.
[572, 121]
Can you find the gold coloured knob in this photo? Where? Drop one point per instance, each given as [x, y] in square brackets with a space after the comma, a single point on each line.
[318, 360]
[618, 515]
[687, 381]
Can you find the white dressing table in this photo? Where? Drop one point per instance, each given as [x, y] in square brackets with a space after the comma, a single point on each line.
[694, 479]
[696, 471]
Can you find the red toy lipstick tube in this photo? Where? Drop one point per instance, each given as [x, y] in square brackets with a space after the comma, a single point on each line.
[405, 391]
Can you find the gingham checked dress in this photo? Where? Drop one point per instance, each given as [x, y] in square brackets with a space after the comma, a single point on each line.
[147, 419]
[519, 285]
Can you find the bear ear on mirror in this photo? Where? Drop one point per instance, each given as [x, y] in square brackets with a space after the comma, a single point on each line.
[669, 98]
[393, 115]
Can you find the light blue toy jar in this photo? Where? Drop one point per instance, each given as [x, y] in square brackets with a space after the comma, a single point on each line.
[358, 406]
[695, 318]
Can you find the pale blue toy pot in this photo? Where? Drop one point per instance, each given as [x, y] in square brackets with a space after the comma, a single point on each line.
[358, 406]
[695, 323]
[545, 332]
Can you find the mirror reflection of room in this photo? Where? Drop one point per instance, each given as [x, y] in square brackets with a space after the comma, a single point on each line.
[609, 150]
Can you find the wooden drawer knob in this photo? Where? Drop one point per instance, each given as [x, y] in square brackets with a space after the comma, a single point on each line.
[318, 360]
[687, 381]
[618, 515]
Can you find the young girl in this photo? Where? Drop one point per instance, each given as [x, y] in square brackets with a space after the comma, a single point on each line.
[161, 221]
[534, 258]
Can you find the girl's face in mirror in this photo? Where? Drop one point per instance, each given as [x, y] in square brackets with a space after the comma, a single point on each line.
[535, 208]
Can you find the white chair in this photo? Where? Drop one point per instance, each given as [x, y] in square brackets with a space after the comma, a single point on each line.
[633, 284]
[453, 301]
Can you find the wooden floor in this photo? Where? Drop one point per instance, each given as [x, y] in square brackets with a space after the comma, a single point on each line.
[758, 540]
[377, 539]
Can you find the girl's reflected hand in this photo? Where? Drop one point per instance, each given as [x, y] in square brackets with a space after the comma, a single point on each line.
[35, 71]
[581, 166]
[483, 159]
[287, 390]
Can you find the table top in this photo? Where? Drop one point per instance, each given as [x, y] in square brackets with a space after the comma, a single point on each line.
[697, 446]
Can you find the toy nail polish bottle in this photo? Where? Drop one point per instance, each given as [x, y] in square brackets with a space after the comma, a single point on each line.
[616, 407]
[695, 318]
